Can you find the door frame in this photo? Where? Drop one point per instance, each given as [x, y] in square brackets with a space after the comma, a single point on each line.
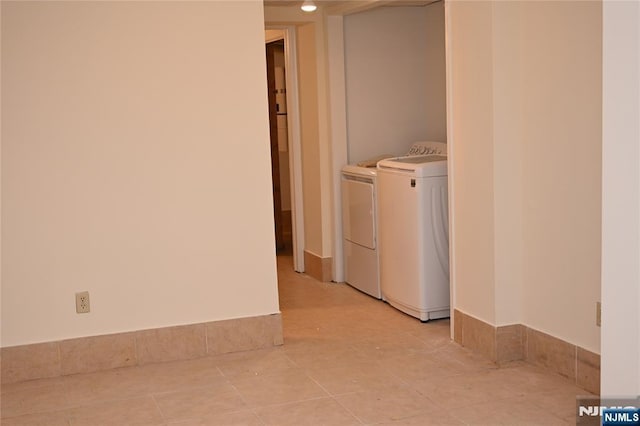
[451, 154]
[294, 142]
[338, 120]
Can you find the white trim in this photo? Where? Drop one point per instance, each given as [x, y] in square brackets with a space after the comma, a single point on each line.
[295, 145]
[338, 115]
[620, 343]
[450, 156]
[295, 148]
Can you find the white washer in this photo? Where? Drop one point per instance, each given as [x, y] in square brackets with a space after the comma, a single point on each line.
[414, 235]
[359, 229]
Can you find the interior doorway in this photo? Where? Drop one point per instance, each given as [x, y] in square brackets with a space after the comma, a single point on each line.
[286, 145]
[278, 130]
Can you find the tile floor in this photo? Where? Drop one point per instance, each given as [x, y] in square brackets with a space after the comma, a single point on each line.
[347, 360]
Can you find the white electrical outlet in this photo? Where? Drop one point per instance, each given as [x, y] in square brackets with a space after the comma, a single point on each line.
[82, 302]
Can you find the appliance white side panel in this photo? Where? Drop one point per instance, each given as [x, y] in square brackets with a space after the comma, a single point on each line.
[361, 268]
[398, 205]
[359, 212]
[413, 234]
[434, 225]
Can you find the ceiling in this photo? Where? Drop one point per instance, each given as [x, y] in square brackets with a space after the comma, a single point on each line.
[331, 3]
[299, 2]
[348, 7]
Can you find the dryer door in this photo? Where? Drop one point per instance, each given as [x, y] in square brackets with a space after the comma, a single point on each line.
[358, 211]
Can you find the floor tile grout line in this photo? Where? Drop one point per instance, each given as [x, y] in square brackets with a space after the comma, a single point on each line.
[295, 402]
[254, 409]
[155, 402]
[318, 383]
[221, 372]
[361, 421]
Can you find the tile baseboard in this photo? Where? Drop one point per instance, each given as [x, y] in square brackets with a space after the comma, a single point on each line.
[552, 353]
[318, 267]
[519, 342]
[97, 353]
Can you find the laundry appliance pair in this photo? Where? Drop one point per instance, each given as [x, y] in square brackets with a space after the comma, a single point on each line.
[395, 230]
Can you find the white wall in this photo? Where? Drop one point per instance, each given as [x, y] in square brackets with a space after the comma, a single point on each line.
[389, 82]
[1, 35]
[526, 164]
[121, 124]
[621, 200]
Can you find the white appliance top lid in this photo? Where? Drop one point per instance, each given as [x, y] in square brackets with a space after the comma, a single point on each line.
[439, 149]
[420, 165]
[352, 169]
[419, 159]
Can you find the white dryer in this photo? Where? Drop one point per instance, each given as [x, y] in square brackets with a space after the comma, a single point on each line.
[359, 229]
[414, 235]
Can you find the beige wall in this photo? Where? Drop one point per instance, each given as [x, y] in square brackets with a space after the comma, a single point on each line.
[562, 142]
[507, 162]
[472, 159]
[308, 90]
[135, 165]
[526, 99]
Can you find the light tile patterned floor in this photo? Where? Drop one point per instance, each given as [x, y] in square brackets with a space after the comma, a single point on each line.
[348, 359]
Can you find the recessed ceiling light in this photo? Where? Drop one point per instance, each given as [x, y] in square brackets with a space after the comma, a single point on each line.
[308, 6]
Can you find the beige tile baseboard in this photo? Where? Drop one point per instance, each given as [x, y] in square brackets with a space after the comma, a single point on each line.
[477, 335]
[519, 342]
[317, 267]
[96, 353]
[552, 353]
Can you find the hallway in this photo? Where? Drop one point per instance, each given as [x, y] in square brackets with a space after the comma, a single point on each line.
[347, 360]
